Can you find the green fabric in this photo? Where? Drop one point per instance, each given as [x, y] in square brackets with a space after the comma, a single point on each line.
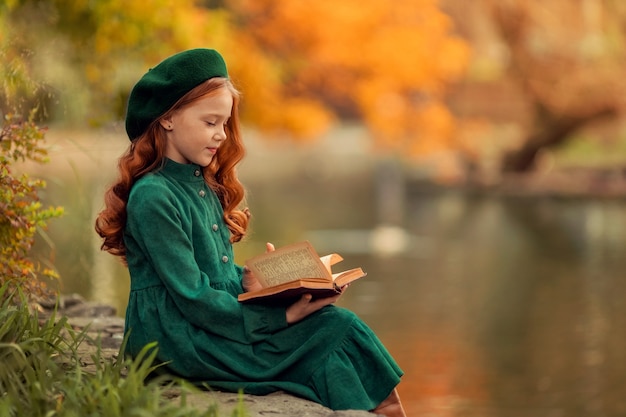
[184, 288]
[162, 86]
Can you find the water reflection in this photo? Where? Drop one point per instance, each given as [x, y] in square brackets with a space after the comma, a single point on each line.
[496, 307]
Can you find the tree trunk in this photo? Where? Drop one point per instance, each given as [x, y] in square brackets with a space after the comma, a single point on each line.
[552, 132]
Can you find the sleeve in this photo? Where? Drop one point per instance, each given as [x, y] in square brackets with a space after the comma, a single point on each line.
[154, 223]
[239, 270]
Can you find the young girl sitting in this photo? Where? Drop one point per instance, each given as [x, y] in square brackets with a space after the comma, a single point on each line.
[172, 217]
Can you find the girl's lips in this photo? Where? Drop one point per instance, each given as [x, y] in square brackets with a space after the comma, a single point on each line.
[212, 150]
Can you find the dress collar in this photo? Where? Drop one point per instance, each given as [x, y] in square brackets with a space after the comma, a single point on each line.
[181, 172]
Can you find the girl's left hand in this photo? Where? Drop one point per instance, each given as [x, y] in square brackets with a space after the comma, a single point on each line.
[307, 305]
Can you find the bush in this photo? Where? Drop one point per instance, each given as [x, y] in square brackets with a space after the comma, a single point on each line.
[21, 212]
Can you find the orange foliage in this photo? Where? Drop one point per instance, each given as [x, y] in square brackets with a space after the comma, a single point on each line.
[301, 65]
[387, 63]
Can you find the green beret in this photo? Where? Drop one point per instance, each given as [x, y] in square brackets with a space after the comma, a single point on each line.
[165, 84]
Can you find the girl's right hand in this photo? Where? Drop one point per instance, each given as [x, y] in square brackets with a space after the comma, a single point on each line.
[305, 306]
[249, 282]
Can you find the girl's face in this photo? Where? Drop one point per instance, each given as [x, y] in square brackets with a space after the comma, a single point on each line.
[195, 132]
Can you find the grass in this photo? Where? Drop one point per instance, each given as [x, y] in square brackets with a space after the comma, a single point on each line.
[41, 374]
[592, 152]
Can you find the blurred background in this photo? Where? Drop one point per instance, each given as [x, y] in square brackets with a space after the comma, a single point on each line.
[470, 156]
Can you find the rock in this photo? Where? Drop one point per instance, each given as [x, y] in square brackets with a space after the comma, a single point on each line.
[111, 324]
[278, 404]
[48, 302]
[89, 309]
[70, 300]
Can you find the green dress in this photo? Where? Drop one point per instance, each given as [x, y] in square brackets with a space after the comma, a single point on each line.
[183, 295]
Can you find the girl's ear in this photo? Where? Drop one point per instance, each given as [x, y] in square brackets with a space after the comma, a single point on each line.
[166, 123]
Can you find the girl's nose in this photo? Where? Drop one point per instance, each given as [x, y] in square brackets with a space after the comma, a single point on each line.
[221, 134]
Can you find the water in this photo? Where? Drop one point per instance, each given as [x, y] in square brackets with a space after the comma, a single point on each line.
[493, 306]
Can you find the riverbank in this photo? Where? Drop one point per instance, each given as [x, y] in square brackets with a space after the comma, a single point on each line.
[104, 326]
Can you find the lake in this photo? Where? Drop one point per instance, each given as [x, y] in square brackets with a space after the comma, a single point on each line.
[493, 306]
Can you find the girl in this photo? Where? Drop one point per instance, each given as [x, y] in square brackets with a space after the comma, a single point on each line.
[173, 216]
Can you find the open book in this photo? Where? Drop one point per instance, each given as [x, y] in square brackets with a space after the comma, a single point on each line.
[290, 271]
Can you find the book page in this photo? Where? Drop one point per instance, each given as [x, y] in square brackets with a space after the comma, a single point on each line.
[330, 260]
[289, 263]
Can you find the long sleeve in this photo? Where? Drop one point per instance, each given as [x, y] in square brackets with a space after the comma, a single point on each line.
[175, 237]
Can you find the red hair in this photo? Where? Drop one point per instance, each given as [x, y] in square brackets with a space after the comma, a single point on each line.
[146, 154]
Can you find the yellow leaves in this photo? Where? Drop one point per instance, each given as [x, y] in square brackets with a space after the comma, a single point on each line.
[50, 273]
[21, 213]
[412, 126]
[266, 104]
[388, 63]
[300, 64]
[10, 3]
[435, 125]
[303, 118]
[128, 25]
[453, 58]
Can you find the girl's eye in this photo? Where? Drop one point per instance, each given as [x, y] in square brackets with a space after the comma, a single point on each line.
[215, 124]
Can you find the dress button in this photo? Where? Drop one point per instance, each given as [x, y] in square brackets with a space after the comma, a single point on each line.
[197, 173]
[215, 227]
[224, 258]
[201, 193]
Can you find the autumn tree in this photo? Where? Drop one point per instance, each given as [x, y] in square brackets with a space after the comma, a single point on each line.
[385, 64]
[565, 60]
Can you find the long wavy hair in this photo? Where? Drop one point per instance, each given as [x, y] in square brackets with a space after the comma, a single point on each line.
[146, 154]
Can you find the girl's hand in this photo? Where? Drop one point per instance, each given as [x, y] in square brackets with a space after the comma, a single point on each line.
[305, 306]
[249, 282]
